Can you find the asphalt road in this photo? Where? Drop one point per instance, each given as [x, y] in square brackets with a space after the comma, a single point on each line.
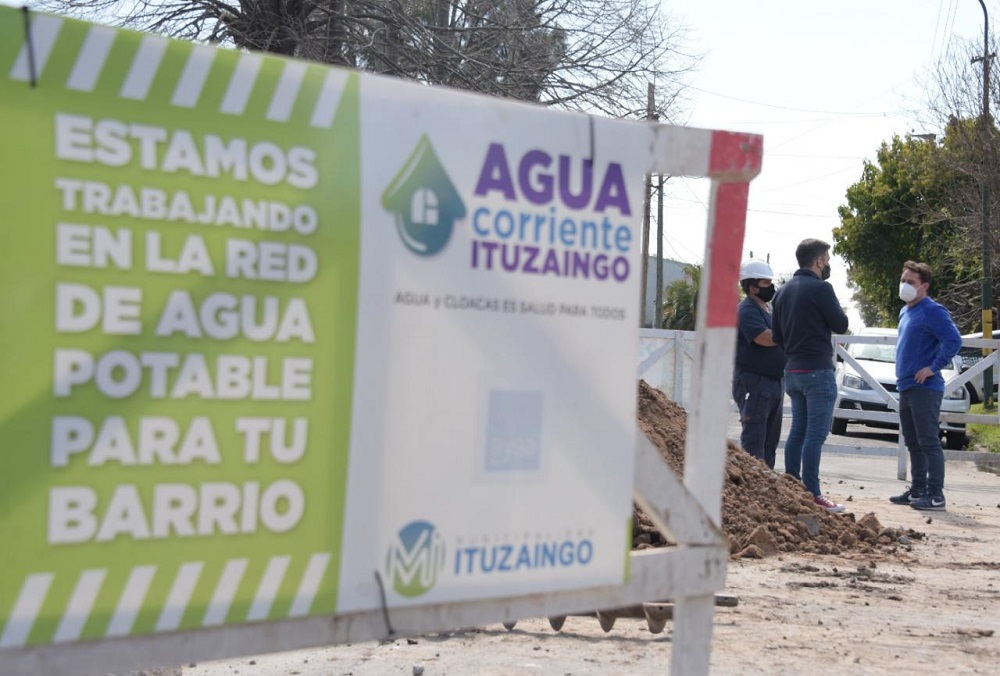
[864, 440]
[857, 435]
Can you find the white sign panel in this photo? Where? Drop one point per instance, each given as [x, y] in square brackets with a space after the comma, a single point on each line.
[494, 406]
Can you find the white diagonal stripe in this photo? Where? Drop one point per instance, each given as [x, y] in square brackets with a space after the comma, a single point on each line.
[268, 588]
[225, 591]
[91, 59]
[329, 97]
[29, 603]
[193, 78]
[309, 585]
[44, 31]
[131, 601]
[144, 66]
[241, 84]
[179, 597]
[287, 91]
[80, 604]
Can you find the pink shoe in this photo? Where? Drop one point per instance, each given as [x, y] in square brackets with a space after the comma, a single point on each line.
[828, 504]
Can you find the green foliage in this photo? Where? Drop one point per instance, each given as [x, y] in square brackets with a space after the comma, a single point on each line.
[680, 303]
[985, 436]
[870, 314]
[912, 203]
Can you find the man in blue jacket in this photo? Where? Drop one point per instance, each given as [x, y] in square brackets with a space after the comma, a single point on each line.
[806, 315]
[928, 341]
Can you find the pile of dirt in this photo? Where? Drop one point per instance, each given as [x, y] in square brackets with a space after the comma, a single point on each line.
[763, 512]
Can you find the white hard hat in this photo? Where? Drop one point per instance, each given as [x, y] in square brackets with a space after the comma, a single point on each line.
[755, 269]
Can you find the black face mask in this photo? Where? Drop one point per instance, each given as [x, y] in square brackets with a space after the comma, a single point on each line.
[826, 272]
[766, 293]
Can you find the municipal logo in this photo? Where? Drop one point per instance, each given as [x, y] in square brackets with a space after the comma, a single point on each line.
[424, 201]
[416, 559]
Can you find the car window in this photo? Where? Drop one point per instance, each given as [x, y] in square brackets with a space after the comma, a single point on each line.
[886, 353]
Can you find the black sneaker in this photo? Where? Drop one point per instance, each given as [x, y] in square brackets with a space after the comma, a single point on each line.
[906, 498]
[929, 503]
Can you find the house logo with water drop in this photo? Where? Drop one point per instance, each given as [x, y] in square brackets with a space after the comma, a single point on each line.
[424, 201]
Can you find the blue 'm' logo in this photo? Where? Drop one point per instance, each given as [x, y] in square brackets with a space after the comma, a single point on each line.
[424, 201]
[416, 559]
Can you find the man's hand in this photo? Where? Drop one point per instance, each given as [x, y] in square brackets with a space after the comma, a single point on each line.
[923, 374]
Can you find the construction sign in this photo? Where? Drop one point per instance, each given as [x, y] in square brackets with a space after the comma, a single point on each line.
[282, 340]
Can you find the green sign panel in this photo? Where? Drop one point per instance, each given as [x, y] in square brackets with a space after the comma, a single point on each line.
[178, 292]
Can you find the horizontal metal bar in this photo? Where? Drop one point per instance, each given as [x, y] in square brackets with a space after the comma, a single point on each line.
[655, 574]
[892, 417]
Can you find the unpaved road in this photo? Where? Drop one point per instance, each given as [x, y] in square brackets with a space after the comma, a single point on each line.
[935, 607]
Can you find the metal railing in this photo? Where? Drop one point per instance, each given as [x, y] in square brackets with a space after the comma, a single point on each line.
[891, 401]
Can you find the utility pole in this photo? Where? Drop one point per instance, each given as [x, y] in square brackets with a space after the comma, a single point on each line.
[984, 188]
[650, 115]
[658, 314]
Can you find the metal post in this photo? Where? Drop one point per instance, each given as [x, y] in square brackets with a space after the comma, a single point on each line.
[987, 125]
[658, 313]
[650, 115]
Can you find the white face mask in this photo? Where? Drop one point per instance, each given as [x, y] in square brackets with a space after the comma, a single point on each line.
[907, 293]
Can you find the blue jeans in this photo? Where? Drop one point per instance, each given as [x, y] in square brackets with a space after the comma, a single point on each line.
[919, 409]
[813, 396]
[760, 400]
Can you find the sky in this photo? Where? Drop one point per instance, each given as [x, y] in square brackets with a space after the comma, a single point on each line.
[825, 83]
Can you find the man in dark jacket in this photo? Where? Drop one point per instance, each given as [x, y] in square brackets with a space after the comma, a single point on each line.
[806, 314]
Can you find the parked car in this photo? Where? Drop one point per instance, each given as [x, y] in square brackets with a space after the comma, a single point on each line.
[879, 361]
[970, 357]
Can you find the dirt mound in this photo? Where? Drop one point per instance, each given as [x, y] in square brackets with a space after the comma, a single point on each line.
[763, 512]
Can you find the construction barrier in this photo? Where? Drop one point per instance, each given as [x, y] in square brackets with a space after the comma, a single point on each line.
[298, 356]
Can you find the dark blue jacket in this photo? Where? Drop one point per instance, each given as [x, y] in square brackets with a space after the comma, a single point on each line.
[806, 314]
[751, 357]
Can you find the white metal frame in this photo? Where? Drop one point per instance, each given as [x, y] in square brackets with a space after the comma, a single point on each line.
[687, 510]
[892, 416]
[667, 361]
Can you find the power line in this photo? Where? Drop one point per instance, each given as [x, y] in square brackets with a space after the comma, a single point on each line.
[817, 157]
[809, 180]
[836, 113]
[759, 211]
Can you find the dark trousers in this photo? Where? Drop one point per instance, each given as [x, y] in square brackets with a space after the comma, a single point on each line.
[760, 401]
[919, 410]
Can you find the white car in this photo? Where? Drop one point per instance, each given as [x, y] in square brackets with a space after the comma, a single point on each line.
[970, 357]
[879, 361]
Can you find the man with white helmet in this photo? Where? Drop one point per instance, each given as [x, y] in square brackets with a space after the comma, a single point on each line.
[758, 385]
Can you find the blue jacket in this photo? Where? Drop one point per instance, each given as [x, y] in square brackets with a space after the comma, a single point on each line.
[927, 337]
[806, 314]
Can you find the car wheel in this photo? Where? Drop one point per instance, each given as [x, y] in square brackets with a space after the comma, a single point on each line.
[973, 394]
[839, 426]
[954, 441]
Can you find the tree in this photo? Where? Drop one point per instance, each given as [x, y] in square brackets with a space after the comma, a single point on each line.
[922, 200]
[955, 104]
[591, 55]
[680, 303]
[911, 204]
[870, 314]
